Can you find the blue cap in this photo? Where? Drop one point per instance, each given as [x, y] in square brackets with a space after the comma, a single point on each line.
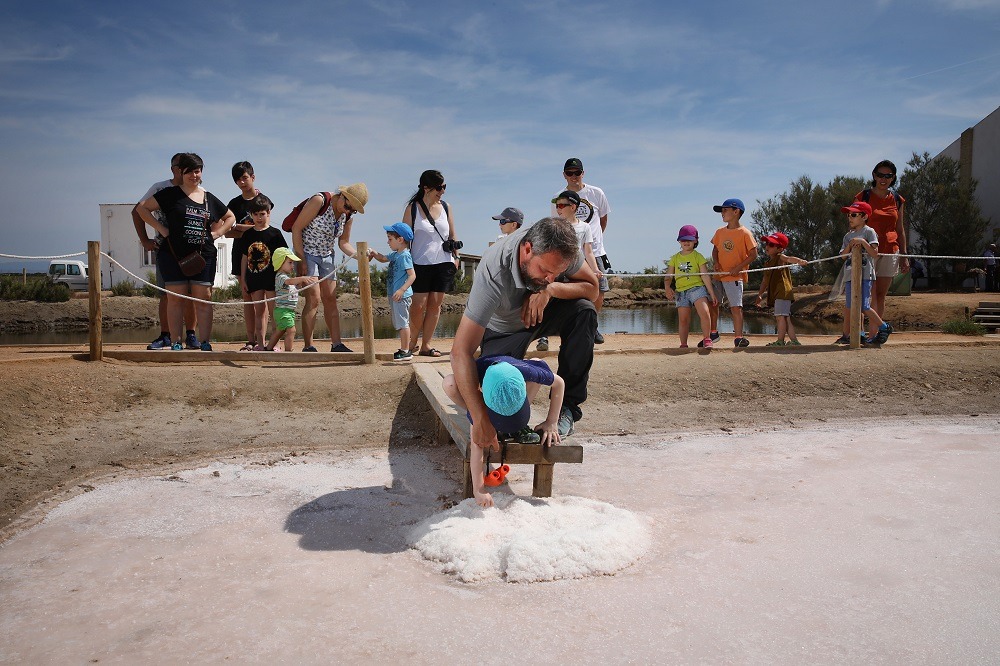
[506, 397]
[730, 203]
[401, 229]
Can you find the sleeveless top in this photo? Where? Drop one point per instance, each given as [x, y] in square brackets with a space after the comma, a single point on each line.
[426, 246]
[320, 236]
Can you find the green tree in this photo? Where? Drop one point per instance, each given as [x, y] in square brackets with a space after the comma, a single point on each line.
[809, 214]
[943, 216]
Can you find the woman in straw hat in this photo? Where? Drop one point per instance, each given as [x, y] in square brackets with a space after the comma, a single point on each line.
[319, 229]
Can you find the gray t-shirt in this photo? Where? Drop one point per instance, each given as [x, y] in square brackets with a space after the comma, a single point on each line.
[867, 269]
[498, 289]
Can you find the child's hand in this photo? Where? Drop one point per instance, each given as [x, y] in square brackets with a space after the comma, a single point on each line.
[670, 294]
[483, 499]
[549, 430]
[715, 301]
[398, 295]
[371, 254]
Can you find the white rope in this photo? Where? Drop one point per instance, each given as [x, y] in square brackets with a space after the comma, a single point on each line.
[814, 261]
[57, 256]
[332, 276]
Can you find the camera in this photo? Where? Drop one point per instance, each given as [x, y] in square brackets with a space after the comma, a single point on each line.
[452, 245]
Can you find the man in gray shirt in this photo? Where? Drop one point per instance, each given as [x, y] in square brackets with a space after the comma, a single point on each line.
[534, 283]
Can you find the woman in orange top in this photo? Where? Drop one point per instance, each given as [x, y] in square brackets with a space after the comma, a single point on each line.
[887, 221]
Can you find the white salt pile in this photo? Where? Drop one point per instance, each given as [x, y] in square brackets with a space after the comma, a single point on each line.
[530, 540]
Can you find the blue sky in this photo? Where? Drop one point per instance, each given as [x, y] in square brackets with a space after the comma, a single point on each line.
[672, 107]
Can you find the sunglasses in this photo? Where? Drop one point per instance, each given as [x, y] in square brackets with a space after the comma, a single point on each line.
[503, 222]
[573, 172]
[855, 215]
[772, 245]
[439, 188]
[560, 206]
[348, 207]
[885, 175]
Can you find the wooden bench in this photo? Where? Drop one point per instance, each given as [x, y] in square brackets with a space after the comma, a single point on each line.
[454, 426]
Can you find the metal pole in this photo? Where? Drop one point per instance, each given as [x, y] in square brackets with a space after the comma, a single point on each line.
[367, 316]
[94, 287]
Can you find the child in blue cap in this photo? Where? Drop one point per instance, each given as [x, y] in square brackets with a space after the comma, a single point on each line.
[508, 385]
[398, 282]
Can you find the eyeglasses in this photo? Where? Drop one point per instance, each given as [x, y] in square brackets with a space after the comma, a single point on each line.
[561, 206]
[855, 214]
[348, 207]
[885, 175]
[573, 173]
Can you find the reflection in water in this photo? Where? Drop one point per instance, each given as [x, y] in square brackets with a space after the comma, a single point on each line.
[640, 320]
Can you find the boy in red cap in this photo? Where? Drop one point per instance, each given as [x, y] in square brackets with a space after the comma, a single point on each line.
[864, 236]
[777, 283]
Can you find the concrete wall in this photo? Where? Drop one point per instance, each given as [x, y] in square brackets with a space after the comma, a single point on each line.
[119, 240]
[978, 150]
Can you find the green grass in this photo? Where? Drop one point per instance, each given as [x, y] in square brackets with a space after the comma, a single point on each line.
[963, 327]
[34, 289]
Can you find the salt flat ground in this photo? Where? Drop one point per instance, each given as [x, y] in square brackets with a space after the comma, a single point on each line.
[836, 542]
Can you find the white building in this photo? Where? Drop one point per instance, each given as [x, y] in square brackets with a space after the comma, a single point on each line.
[119, 240]
[977, 152]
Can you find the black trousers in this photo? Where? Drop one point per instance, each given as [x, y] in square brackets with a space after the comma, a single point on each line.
[575, 322]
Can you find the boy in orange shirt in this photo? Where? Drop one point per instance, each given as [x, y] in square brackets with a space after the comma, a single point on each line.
[734, 249]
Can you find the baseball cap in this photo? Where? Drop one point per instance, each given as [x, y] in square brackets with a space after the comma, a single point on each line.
[400, 229]
[568, 194]
[777, 238]
[510, 214]
[573, 163]
[279, 256]
[730, 203]
[506, 397]
[858, 207]
[687, 233]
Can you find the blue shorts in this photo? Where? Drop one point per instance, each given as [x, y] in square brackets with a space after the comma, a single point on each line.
[866, 294]
[320, 266]
[689, 297]
[400, 312]
[782, 307]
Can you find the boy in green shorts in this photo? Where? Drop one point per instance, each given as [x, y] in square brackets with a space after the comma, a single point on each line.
[287, 297]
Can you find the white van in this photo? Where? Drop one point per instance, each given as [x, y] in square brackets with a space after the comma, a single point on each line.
[72, 273]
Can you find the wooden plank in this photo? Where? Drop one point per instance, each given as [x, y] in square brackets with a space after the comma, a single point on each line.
[189, 355]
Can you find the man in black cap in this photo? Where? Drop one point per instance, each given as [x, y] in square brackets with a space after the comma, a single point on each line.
[593, 210]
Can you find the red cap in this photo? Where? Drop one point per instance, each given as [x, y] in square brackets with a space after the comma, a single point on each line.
[858, 207]
[777, 238]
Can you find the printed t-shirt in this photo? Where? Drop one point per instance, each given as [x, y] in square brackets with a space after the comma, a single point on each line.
[593, 206]
[885, 215]
[498, 289]
[734, 247]
[258, 246]
[241, 211]
[399, 263]
[189, 222]
[867, 269]
[687, 270]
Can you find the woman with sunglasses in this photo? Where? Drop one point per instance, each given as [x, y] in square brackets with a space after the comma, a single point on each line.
[321, 227]
[435, 257]
[887, 221]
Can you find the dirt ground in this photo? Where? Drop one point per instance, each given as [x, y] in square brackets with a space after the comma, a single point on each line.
[64, 421]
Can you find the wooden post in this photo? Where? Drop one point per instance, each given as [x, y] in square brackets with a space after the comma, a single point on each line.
[856, 321]
[94, 286]
[365, 287]
[24, 276]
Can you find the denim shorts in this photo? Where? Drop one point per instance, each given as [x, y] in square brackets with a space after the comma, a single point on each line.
[320, 266]
[782, 307]
[400, 312]
[866, 294]
[688, 297]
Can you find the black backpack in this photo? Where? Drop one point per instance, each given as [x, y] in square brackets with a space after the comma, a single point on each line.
[866, 194]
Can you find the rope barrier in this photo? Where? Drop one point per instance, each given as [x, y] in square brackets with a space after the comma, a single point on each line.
[58, 256]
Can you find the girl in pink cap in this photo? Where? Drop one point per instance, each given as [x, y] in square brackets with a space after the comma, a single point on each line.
[689, 271]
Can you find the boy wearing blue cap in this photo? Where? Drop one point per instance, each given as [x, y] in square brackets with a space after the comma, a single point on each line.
[398, 282]
[508, 385]
[734, 249]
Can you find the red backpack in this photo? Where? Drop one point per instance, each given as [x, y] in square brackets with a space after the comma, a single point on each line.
[289, 221]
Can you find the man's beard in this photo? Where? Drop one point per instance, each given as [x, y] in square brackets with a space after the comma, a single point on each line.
[533, 284]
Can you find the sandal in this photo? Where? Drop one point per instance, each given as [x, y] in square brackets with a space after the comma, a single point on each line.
[247, 347]
[430, 352]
